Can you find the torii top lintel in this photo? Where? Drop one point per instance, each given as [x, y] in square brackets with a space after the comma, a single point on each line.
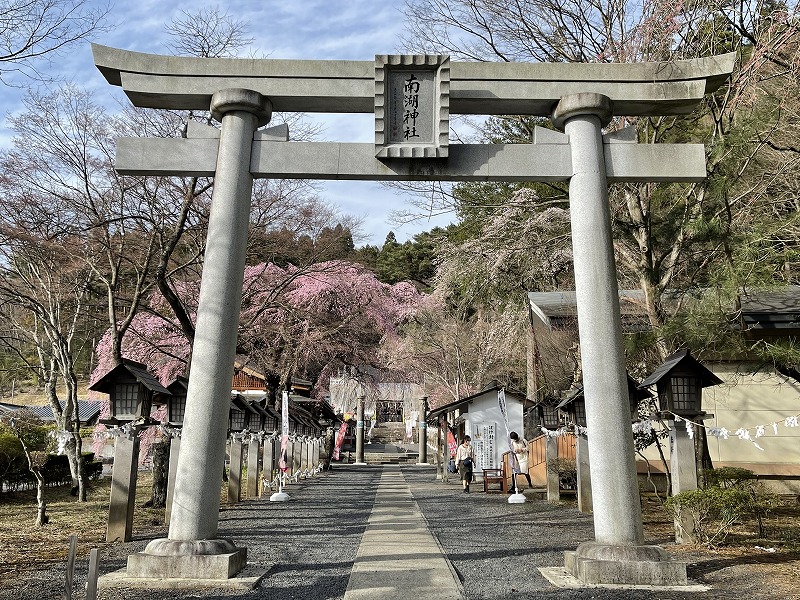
[334, 86]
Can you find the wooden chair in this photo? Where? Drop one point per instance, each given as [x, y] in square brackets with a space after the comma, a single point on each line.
[494, 477]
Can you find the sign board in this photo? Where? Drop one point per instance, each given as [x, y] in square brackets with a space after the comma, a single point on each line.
[484, 445]
[412, 106]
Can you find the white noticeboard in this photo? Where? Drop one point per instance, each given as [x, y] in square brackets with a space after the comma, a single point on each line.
[484, 445]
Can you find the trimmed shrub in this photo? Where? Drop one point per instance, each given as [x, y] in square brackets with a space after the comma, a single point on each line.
[567, 472]
[731, 496]
[15, 474]
[726, 477]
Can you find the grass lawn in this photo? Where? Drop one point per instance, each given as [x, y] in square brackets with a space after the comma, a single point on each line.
[23, 543]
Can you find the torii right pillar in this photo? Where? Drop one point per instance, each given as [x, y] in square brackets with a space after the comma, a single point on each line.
[618, 554]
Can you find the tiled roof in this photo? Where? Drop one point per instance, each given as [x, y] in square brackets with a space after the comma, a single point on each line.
[493, 385]
[86, 410]
[772, 309]
[761, 309]
[554, 308]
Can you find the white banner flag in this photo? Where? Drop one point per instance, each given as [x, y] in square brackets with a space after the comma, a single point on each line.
[283, 461]
[501, 401]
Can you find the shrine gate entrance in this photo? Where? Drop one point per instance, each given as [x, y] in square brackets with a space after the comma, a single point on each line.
[412, 97]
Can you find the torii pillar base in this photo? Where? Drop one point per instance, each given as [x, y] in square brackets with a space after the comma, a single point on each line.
[175, 559]
[600, 564]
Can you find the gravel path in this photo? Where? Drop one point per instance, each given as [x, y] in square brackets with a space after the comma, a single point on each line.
[308, 546]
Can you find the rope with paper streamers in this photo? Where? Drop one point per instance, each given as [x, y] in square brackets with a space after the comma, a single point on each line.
[646, 426]
[114, 432]
[742, 433]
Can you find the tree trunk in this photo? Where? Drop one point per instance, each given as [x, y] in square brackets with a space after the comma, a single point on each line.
[70, 422]
[73, 458]
[81, 472]
[160, 473]
[67, 419]
[41, 505]
[702, 452]
[273, 381]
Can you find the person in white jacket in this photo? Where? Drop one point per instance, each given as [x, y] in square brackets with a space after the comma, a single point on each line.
[465, 458]
[520, 447]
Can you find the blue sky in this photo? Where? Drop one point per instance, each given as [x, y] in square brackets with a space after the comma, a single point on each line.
[302, 29]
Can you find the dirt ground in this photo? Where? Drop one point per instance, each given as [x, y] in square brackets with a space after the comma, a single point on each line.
[745, 567]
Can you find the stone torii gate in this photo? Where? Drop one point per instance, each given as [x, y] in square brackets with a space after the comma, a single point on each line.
[412, 97]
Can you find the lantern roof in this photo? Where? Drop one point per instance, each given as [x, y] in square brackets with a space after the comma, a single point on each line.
[178, 387]
[240, 402]
[301, 415]
[577, 392]
[681, 360]
[257, 407]
[572, 396]
[136, 369]
[275, 414]
[179, 384]
[319, 409]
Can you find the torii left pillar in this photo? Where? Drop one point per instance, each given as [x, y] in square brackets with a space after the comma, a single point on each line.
[192, 549]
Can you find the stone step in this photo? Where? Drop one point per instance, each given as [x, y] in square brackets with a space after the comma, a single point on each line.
[390, 459]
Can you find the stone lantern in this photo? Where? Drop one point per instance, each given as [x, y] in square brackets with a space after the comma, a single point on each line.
[574, 406]
[176, 401]
[680, 380]
[176, 410]
[260, 419]
[130, 387]
[272, 421]
[360, 429]
[240, 415]
[423, 431]
[268, 453]
[547, 416]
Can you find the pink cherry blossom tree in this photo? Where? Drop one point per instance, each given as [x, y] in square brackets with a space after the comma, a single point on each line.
[310, 323]
[295, 322]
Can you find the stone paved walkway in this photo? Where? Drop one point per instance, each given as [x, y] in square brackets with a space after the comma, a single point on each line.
[398, 557]
[388, 532]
